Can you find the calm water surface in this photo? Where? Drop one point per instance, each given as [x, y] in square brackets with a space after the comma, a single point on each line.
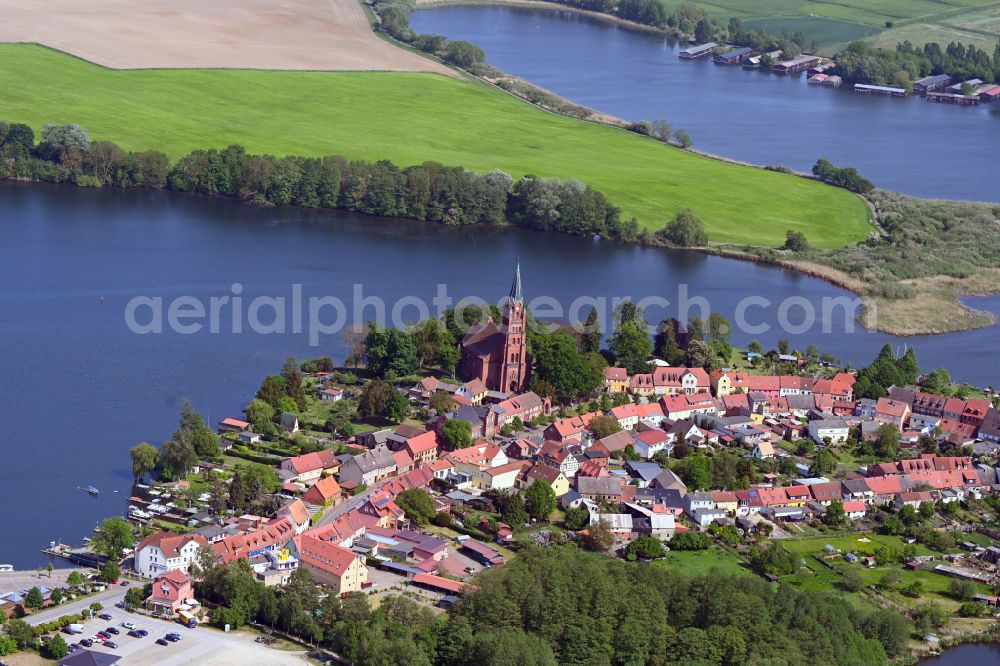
[973, 654]
[80, 389]
[912, 146]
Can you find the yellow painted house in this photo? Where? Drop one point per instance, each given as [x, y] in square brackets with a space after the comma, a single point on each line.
[616, 380]
[556, 479]
[721, 383]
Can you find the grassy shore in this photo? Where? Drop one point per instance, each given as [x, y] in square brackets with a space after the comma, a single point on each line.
[410, 118]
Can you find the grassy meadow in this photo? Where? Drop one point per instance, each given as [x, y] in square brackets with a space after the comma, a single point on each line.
[411, 118]
[834, 23]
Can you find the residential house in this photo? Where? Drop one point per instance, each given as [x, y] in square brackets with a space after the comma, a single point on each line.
[171, 590]
[641, 384]
[726, 501]
[650, 442]
[613, 444]
[681, 407]
[330, 394]
[627, 415]
[298, 514]
[698, 501]
[166, 551]
[230, 424]
[559, 456]
[835, 430]
[615, 380]
[308, 467]
[763, 450]
[855, 510]
[569, 430]
[423, 448]
[914, 499]
[608, 489]
[474, 391]
[990, 429]
[274, 534]
[341, 569]
[824, 493]
[368, 467]
[889, 411]
[546, 474]
[325, 493]
[479, 456]
[503, 477]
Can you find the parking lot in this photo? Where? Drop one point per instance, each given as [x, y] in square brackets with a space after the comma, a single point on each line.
[197, 646]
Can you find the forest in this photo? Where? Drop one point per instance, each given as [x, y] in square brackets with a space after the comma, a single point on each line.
[561, 605]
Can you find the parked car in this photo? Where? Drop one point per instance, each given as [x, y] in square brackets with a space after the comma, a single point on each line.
[103, 636]
[162, 641]
[173, 638]
[134, 634]
[143, 633]
[105, 616]
[124, 583]
[86, 642]
[128, 625]
[73, 647]
[111, 630]
[110, 644]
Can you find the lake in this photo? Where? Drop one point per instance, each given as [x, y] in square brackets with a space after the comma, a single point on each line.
[81, 388]
[905, 145]
[964, 655]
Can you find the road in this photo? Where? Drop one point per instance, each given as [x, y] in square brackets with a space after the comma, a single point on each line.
[351, 503]
[108, 599]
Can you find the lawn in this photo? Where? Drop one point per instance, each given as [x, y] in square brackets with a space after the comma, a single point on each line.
[699, 562]
[410, 118]
[830, 34]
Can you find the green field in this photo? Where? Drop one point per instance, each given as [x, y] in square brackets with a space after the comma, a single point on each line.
[833, 23]
[411, 118]
[700, 562]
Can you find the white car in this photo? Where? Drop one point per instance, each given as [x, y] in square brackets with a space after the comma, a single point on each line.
[96, 639]
[128, 625]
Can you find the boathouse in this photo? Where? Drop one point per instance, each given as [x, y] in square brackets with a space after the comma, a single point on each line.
[957, 88]
[734, 57]
[990, 94]
[795, 65]
[698, 50]
[952, 98]
[931, 83]
[879, 90]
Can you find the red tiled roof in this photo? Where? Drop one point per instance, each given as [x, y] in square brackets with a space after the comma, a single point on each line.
[310, 462]
[324, 490]
[274, 534]
[171, 543]
[324, 555]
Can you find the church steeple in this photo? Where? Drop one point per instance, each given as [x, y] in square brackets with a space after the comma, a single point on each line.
[515, 289]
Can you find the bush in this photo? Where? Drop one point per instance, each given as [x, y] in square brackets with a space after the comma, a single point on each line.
[690, 541]
[973, 609]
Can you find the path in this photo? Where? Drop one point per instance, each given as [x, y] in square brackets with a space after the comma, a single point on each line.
[108, 599]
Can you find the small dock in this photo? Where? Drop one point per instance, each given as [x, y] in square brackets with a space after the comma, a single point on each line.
[82, 556]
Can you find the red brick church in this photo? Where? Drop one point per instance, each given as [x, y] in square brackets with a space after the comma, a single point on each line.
[497, 355]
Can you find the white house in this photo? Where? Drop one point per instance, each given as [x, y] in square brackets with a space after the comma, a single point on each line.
[166, 551]
[834, 429]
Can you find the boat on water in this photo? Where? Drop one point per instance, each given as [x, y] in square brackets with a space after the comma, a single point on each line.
[6, 568]
[93, 491]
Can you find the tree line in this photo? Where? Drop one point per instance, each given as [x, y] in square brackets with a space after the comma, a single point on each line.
[861, 63]
[429, 191]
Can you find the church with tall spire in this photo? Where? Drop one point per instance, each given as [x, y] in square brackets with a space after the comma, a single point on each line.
[497, 355]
